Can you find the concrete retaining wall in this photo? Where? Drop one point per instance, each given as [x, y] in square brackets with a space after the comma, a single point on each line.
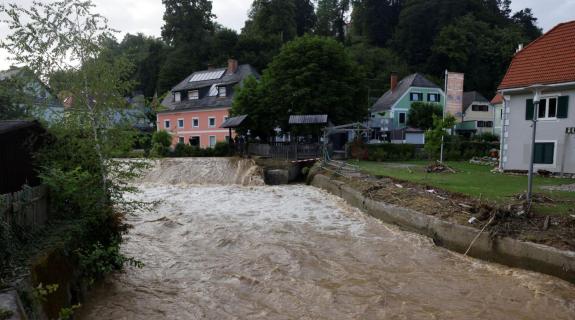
[457, 237]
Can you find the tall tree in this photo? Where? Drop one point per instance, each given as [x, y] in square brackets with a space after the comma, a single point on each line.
[188, 29]
[305, 17]
[376, 19]
[525, 19]
[331, 18]
[311, 75]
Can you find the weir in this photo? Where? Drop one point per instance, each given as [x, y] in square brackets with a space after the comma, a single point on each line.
[221, 245]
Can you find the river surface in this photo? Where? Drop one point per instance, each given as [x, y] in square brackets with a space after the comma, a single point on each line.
[296, 252]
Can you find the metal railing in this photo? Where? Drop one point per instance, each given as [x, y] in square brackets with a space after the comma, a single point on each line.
[286, 151]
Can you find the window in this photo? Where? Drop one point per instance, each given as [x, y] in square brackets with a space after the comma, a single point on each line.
[195, 122]
[402, 118]
[181, 140]
[222, 92]
[212, 141]
[195, 141]
[181, 123]
[501, 115]
[177, 97]
[226, 118]
[166, 124]
[212, 122]
[480, 108]
[433, 97]
[416, 96]
[193, 95]
[547, 109]
[544, 153]
[485, 124]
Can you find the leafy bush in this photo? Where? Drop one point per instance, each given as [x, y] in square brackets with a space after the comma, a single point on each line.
[222, 149]
[161, 142]
[486, 137]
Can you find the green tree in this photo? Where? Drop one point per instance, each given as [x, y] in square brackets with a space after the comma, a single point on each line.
[375, 20]
[188, 29]
[310, 75]
[525, 19]
[480, 50]
[421, 115]
[331, 18]
[305, 18]
[435, 137]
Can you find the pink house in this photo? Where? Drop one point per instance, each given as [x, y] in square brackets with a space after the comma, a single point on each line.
[199, 105]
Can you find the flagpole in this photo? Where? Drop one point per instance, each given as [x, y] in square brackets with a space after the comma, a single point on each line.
[444, 107]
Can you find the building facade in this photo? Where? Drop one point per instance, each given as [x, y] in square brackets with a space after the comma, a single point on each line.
[547, 64]
[389, 115]
[477, 116]
[201, 103]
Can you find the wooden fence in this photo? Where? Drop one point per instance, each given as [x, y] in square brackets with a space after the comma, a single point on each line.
[26, 209]
[286, 151]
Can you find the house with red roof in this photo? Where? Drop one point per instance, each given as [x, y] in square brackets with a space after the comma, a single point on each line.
[197, 107]
[549, 64]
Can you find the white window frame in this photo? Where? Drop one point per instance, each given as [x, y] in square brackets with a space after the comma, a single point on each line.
[416, 92]
[554, 164]
[547, 98]
[194, 95]
[177, 96]
[182, 122]
[224, 90]
[215, 122]
[404, 117]
[167, 124]
[435, 95]
[479, 105]
[210, 141]
[195, 125]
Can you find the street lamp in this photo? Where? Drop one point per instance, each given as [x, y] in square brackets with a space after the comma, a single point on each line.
[536, 89]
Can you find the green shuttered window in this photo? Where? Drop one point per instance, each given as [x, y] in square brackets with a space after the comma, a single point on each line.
[529, 109]
[563, 108]
[544, 153]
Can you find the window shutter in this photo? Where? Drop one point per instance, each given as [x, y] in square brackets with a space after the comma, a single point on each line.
[563, 108]
[529, 109]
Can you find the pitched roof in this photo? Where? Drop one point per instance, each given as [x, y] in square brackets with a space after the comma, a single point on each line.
[234, 122]
[473, 96]
[548, 60]
[209, 101]
[308, 119]
[498, 99]
[391, 97]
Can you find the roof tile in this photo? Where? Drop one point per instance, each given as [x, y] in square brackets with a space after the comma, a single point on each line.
[548, 60]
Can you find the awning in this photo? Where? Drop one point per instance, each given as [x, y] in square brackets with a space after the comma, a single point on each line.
[234, 122]
[308, 119]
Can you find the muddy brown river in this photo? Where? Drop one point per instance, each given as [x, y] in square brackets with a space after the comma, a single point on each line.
[296, 252]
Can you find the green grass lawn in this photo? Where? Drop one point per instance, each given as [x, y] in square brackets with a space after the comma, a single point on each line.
[473, 180]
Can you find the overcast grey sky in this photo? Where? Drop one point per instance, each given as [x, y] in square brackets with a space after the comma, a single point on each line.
[133, 16]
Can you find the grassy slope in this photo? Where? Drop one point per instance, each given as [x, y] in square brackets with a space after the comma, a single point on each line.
[474, 180]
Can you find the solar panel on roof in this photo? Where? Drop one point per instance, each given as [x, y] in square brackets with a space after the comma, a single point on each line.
[207, 75]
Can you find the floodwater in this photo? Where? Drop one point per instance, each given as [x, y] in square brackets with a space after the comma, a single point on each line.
[233, 251]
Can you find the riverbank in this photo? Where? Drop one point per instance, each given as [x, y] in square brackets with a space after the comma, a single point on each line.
[417, 209]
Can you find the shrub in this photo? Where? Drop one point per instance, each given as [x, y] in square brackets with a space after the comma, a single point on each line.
[222, 149]
[183, 150]
[162, 138]
[486, 137]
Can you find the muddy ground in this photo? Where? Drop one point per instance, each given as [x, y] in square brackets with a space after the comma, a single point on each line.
[511, 219]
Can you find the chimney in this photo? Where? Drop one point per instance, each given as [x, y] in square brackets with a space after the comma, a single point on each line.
[519, 48]
[232, 66]
[393, 79]
[211, 67]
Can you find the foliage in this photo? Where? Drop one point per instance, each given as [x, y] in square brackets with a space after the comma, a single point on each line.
[6, 241]
[221, 149]
[434, 137]
[5, 314]
[99, 260]
[486, 137]
[161, 143]
[421, 115]
[41, 292]
[67, 313]
[331, 18]
[375, 20]
[311, 75]
[393, 152]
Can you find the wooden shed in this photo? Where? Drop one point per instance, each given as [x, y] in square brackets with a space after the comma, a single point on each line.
[19, 140]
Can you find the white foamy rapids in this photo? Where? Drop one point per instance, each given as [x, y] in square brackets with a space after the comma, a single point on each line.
[204, 171]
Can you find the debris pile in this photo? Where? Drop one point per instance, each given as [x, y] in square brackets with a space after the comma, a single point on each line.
[485, 161]
[438, 167]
